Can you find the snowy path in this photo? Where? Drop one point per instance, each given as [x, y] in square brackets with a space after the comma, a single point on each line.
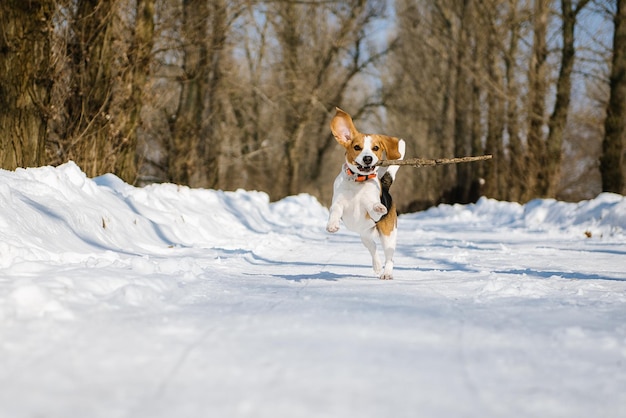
[165, 301]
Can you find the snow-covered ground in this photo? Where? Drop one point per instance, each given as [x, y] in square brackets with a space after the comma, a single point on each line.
[166, 301]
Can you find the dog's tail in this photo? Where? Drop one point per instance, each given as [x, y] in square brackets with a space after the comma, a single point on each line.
[392, 170]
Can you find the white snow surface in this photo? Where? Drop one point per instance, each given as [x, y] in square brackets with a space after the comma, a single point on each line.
[166, 301]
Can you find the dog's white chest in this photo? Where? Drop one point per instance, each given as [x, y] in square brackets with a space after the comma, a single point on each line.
[355, 198]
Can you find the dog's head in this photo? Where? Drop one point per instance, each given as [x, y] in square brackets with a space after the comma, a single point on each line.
[363, 151]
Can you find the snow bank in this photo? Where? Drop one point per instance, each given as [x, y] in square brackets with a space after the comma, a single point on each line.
[106, 214]
[604, 215]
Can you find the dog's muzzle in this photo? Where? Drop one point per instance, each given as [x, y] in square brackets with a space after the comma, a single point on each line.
[366, 164]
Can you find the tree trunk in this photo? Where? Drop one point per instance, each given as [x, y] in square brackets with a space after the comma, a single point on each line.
[516, 175]
[558, 119]
[294, 119]
[25, 81]
[445, 123]
[91, 122]
[139, 57]
[217, 99]
[613, 160]
[185, 162]
[495, 115]
[462, 106]
[538, 77]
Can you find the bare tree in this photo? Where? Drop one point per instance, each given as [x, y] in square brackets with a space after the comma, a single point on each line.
[25, 80]
[516, 178]
[322, 49]
[101, 75]
[613, 160]
[414, 85]
[538, 88]
[136, 76]
[185, 161]
[495, 172]
[90, 120]
[462, 103]
[450, 77]
[558, 119]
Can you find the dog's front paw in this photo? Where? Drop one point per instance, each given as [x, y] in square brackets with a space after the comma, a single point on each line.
[380, 208]
[386, 276]
[332, 227]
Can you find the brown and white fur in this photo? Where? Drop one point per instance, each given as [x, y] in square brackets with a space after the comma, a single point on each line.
[361, 187]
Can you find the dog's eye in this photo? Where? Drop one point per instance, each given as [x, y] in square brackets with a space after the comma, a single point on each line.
[376, 148]
[357, 148]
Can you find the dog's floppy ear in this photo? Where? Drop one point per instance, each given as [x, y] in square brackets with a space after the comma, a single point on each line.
[391, 147]
[342, 127]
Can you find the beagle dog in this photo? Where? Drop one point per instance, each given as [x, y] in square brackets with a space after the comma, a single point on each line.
[361, 196]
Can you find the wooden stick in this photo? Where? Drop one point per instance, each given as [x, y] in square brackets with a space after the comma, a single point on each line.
[425, 162]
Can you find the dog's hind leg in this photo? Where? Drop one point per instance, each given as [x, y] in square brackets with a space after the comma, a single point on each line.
[368, 238]
[389, 247]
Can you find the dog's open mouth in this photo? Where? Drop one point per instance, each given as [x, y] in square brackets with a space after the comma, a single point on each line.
[365, 169]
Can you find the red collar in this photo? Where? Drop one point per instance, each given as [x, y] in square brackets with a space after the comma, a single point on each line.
[359, 177]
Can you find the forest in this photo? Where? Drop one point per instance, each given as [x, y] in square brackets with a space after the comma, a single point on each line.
[229, 94]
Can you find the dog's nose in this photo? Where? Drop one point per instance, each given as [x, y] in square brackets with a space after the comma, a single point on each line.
[367, 159]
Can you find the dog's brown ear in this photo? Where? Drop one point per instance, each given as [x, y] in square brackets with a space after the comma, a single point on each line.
[391, 147]
[343, 128]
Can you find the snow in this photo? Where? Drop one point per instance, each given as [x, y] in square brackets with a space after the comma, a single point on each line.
[166, 301]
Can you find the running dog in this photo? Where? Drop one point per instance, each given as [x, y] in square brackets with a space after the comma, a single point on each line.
[361, 196]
